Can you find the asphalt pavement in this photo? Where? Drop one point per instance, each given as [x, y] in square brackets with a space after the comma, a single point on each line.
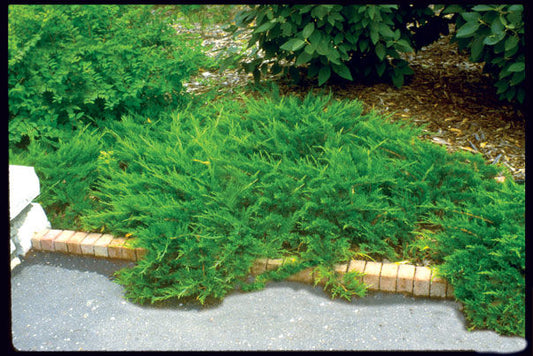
[70, 303]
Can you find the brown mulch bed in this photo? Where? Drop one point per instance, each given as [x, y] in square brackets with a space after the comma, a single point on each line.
[447, 93]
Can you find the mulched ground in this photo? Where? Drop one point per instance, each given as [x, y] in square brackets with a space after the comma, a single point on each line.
[447, 93]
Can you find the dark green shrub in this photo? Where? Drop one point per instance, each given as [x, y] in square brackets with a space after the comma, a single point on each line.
[494, 34]
[352, 41]
[71, 64]
[315, 179]
[67, 176]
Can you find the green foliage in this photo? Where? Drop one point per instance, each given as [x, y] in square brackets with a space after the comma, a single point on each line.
[207, 14]
[347, 288]
[483, 249]
[494, 34]
[67, 176]
[208, 190]
[72, 64]
[216, 188]
[352, 41]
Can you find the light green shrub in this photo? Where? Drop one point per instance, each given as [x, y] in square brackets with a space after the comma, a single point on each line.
[72, 64]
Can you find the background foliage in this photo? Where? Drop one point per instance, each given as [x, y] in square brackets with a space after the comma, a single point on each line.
[351, 41]
[79, 64]
[364, 42]
[494, 34]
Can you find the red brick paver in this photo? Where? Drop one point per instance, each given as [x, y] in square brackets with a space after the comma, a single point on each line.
[128, 251]
[342, 268]
[449, 291]
[259, 266]
[47, 241]
[438, 286]
[74, 243]
[119, 248]
[357, 266]
[422, 281]
[60, 243]
[87, 245]
[114, 249]
[100, 246]
[372, 273]
[273, 264]
[36, 239]
[389, 274]
[406, 275]
[387, 277]
[304, 276]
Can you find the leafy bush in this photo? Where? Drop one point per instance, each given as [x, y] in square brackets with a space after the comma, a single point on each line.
[353, 41]
[314, 179]
[67, 176]
[72, 64]
[494, 34]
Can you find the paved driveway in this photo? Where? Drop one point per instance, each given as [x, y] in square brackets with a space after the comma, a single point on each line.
[62, 302]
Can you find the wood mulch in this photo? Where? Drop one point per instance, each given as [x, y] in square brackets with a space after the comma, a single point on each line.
[447, 93]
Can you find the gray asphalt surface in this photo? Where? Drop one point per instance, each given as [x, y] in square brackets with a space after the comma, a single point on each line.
[70, 303]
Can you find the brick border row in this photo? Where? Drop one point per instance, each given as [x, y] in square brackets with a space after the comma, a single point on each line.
[378, 276]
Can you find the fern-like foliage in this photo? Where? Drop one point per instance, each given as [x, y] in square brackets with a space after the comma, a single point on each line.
[214, 189]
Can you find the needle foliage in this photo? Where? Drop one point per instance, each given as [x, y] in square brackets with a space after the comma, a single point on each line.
[214, 189]
[208, 189]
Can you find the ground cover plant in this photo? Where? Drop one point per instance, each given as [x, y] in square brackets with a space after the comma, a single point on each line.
[216, 188]
[209, 188]
[66, 175]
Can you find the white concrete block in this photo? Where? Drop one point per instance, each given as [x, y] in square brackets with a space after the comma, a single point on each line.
[23, 188]
[28, 222]
[12, 247]
[14, 262]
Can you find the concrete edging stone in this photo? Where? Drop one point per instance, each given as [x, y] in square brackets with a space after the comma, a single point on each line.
[379, 276]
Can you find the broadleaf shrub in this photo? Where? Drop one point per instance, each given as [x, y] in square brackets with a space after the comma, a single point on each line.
[316, 179]
[77, 64]
[494, 34]
[360, 42]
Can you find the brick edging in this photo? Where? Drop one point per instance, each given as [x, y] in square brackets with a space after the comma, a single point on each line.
[379, 276]
[87, 244]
